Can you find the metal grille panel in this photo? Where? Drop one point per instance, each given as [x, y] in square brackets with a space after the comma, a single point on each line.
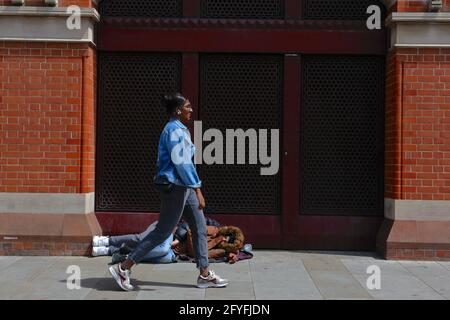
[130, 120]
[241, 91]
[149, 8]
[342, 131]
[243, 9]
[339, 9]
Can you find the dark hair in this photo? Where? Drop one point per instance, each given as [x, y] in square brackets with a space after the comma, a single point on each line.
[173, 101]
[231, 238]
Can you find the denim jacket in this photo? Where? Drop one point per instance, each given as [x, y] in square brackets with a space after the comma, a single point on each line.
[175, 155]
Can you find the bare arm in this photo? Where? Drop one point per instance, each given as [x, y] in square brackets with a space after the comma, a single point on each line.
[201, 199]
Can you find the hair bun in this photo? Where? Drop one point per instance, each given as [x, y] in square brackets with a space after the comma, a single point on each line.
[173, 101]
[166, 99]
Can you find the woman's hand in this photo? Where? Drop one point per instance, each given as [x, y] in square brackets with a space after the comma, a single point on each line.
[201, 200]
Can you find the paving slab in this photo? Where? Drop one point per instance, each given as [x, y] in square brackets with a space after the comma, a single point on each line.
[166, 284]
[445, 264]
[177, 266]
[236, 290]
[280, 275]
[387, 267]
[6, 261]
[54, 283]
[337, 254]
[432, 274]
[396, 281]
[106, 288]
[240, 287]
[16, 277]
[333, 279]
[270, 275]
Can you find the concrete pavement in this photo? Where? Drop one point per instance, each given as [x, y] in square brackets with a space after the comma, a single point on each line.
[270, 275]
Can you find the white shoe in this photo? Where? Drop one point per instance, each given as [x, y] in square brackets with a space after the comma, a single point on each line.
[100, 241]
[211, 281]
[122, 277]
[99, 251]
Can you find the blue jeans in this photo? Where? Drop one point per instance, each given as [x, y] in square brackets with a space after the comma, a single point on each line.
[161, 253]
[179, 202]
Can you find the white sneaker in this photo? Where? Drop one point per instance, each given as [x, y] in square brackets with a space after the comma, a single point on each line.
[212, 280]
[99, 251]
[121, 276]
[100, 241]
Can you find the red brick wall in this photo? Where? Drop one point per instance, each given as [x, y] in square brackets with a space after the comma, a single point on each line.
[88, 121]
[392, 179]
[48, 246]
[416, 6]
[47, 115]
[418, 124]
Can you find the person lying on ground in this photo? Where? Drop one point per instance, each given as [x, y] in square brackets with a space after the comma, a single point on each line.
[224, 243]
[162, 253]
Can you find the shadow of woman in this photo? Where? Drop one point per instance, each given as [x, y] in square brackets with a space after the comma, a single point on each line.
[108, 284]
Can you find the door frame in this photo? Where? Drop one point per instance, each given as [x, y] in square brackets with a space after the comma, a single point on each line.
[289, 229]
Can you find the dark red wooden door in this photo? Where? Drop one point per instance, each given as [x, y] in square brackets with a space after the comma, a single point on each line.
[308, 68]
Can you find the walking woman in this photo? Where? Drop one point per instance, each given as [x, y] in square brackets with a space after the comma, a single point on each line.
[180, 193]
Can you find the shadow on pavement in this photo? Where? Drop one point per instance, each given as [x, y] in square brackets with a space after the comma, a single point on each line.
[354, 254]
[109, 284]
